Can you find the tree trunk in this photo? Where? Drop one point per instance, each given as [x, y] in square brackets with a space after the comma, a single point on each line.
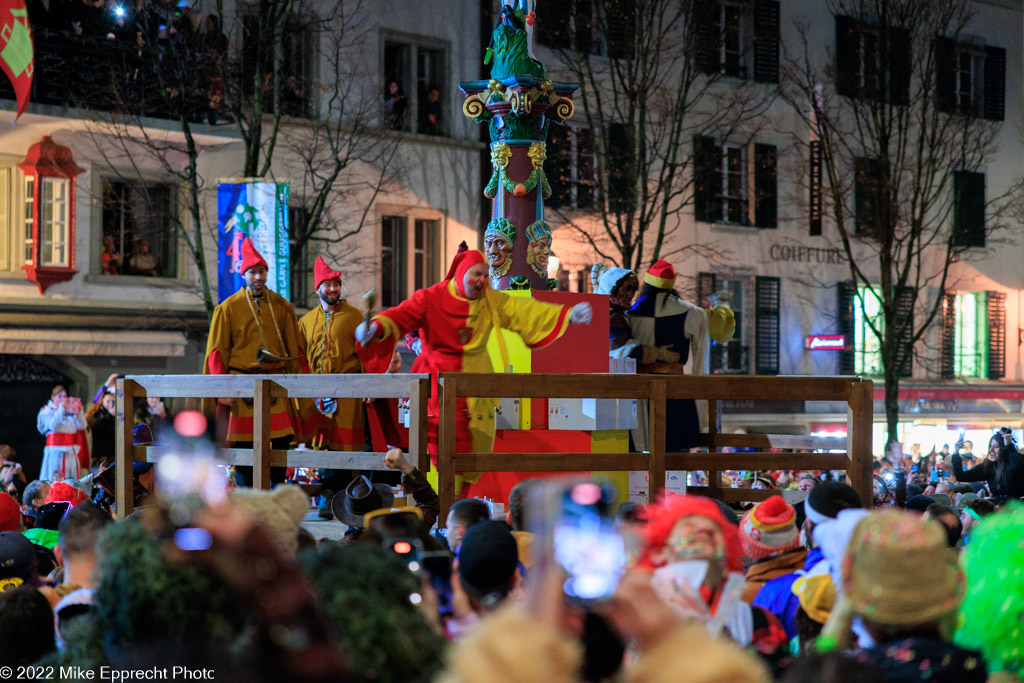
[892, 403]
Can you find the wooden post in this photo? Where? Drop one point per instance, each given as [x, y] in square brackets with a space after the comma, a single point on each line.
[656, 440]
[859, 421]
[124, 457]
[714, 428]
[419, 392]
[446, 445]
[261, 435]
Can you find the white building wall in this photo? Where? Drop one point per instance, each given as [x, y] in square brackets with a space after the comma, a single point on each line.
[809, 297]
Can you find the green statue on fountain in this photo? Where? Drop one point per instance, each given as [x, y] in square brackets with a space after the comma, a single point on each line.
[510, 43]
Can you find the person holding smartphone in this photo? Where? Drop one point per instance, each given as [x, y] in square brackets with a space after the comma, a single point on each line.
[62, 423]
[1003, 469]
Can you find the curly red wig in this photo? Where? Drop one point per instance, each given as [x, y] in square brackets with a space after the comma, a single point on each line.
[663, 516]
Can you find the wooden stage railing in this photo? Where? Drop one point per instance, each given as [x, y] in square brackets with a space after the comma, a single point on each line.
[855, 459]
[261, 389]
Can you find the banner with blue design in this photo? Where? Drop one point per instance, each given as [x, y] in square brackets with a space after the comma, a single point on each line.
[257, 209]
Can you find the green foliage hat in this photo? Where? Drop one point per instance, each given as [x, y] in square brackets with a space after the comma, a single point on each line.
[502, 227]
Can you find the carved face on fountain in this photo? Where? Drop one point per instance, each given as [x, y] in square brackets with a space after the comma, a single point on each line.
[538, 249]
[498, 239]
[537, 254]
[498, 250]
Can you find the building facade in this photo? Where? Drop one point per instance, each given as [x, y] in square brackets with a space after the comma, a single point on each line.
[97, 262]
[80, 297]
[781, 265]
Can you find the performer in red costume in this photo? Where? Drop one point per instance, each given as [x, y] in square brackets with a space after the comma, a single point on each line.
[455, 318]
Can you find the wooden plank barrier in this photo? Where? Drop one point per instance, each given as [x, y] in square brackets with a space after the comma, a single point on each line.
[261, 389]
[854, 456]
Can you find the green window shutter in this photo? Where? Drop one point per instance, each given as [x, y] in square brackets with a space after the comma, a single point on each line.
[707, 38]
[968, 209]
[949, 335]
[707, 205]
[995, 83]
[847, 56]
[766, 41]
[945, 74]
[847, 292]
[767, 325]
[996, 335]
[766, 194]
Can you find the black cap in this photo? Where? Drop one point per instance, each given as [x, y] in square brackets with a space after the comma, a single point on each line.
[17, 558]
[919, 503]
[49, 516]
[488, 558]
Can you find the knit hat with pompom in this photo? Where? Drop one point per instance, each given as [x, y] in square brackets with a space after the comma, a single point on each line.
[769, 528]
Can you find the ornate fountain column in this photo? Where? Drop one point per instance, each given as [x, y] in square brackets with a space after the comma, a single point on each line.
[519, 105]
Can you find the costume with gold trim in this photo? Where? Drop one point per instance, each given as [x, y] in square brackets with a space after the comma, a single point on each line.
[233, 346]
[328, 341]
[454, 331]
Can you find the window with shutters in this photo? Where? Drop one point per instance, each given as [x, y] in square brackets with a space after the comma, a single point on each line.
[867, 346]
[734, 292]
[415, 82]
[738, 38]
[968, 209]
[735, 184]
[554, 25]
[601, 27]
[872, 62]
[409, 256]
[973, 334]
[859, 313]
[297, 68]
[139, 235]
[970, 355]
[571, 168]
[970, 79]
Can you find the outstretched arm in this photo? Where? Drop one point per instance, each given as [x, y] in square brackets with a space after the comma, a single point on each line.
[389, 327]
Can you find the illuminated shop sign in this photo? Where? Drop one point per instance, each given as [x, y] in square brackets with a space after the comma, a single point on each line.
[826, 342]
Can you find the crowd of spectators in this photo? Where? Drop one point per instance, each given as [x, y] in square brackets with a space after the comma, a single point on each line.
[816, 585]
[134, 39]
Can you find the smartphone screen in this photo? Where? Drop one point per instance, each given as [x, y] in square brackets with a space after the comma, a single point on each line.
[587, 545]
[934, 477]
[438, 566]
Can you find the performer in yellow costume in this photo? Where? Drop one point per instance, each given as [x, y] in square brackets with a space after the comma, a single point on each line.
[254, 332]
[327, 337]
[455, 318]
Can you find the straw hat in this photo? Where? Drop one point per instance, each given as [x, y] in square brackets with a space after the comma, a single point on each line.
[900, 571]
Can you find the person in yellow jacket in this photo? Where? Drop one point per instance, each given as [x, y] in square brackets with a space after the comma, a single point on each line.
[254, 332]
[327, 338]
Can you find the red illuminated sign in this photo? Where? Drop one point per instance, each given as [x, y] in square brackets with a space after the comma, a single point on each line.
[826, 342]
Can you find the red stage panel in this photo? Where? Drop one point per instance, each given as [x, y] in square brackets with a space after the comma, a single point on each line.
[497, 485]
[583, 348]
